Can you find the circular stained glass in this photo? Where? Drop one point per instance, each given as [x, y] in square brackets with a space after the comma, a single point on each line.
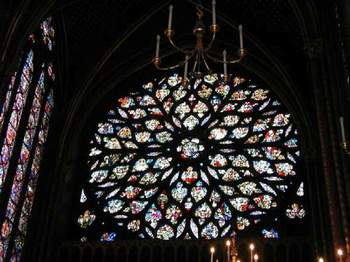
[196, 161]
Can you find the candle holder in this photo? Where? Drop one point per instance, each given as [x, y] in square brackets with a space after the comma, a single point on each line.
[231, 251]
[344, 144]
[234, 252]
[200, 54]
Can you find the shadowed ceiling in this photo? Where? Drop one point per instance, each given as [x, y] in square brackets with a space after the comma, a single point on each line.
[94, 27]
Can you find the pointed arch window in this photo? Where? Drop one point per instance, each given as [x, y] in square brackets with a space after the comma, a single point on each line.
[24, 122]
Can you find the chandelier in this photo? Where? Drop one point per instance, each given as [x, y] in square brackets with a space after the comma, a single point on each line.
[199, 55]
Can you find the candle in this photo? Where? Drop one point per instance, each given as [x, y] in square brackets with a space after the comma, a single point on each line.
[224, 53]
[240, 29]
[342, 129]
[170, 19]
[157, 46]
[340, 254]
[186, 68]
[213, 3]
[228, 245]
[321, 259]
[212, 250]
[251, 248]
[256, 257]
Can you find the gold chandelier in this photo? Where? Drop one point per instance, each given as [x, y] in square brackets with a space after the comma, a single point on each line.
[199, 53]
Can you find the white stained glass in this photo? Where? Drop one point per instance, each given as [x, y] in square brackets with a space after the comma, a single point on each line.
[196, 161]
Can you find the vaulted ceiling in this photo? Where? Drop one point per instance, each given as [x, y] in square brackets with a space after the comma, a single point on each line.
[103, 35]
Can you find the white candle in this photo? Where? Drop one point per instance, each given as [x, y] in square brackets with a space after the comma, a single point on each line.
[213, 11]
[228, 244]
[212, 250]
[224, 53]
[240, 28]
[170, 19]
[342, 129]
[340, 254]
[186, 68]
[251, 248]
[157, 45]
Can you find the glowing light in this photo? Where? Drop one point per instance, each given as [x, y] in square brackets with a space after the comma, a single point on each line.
[256, 257]
[340, 252]
[212, 250]
[228, 243]
[251, 246]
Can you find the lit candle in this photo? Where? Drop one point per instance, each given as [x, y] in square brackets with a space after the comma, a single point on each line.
[212, 250]
[321, 259]
[228, 245]
[251, 248]
[240, 29]
[340, 254]
[342, 129]
[256, 257]
[224, 53]
[157, 46]
[186, 68]
[170, 19]
[213, 3]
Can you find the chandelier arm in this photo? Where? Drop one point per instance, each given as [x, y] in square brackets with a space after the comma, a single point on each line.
[167, 68]
[195, 64]
[170, 39]
[156, 62]
[205, 62]
[234, 61]
[210, 45]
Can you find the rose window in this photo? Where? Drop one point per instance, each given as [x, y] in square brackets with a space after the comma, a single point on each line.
[197, 161]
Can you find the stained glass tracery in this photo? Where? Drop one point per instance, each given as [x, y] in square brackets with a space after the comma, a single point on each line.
[198, 161]
[17, 110]
[26, 131]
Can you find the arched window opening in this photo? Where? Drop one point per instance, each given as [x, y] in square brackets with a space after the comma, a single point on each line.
[24, 123]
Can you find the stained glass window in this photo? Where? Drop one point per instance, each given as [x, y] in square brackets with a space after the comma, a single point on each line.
[23, 134]
[197, 161]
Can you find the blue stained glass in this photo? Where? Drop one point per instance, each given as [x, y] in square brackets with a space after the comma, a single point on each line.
[17, 110]
[28, 150]
[213, 172]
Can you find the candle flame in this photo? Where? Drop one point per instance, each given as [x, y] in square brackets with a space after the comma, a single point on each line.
[340, 252]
